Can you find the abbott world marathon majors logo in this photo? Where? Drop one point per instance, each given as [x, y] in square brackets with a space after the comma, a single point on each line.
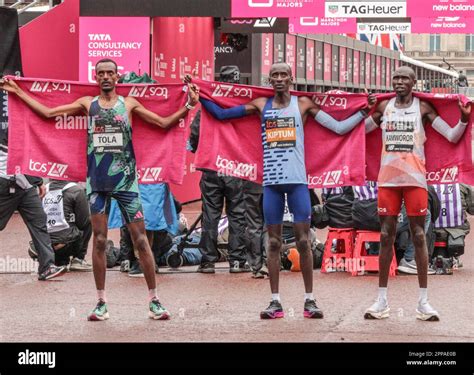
[443, 176]
[49, 169]
[356, 9]
[278, 3]
[329, 178]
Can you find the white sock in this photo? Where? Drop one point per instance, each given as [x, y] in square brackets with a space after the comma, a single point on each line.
[423, 296]
[308, 296]
[383, 294]
[101, 295]
[152, 294]
[276, 297]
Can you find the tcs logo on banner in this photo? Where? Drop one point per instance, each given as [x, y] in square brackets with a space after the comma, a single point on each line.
[330, 101]
[151, 174]
[50, 87]
[49, 168]
[329, 178]
[229, 91]
[148, 92]
[445, 175]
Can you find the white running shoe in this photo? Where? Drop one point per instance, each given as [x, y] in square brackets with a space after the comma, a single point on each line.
[379, 310]
[426, 312]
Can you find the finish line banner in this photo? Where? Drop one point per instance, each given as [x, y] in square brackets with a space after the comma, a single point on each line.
[56, 148]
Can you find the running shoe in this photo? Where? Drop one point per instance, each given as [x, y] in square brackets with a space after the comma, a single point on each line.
[206, 268]
[311, 310]
[379, 310]
[135, 269]
[51, 272]
[158, 311]
[239, 268]
[426, 312]
[80, 265]
[100, 312]
[273, 311]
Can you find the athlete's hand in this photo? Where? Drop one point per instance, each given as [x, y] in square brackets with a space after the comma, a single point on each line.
[188, 78]
[371, 100]
[465, 110]
[193, 94]
[9, 85]
[41, 191]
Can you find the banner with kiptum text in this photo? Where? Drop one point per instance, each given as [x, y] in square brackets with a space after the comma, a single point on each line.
[56, 148]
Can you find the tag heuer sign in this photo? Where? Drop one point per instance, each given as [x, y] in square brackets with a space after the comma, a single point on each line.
[358, 9]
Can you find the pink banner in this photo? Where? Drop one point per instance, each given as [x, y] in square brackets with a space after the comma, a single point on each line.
[445, 162]
[276, 8]
[378, 71]
[322, 25]
[126, 40]
[235, 147]
[442, 25]
[47, 41]
[388, 73]
[290, 53]
[342, 65]
[267, 53]
[56, 148]
[367, 69]
[177, 50]
[310, 72]
[327, 61]
[356, 60]
[437, 8]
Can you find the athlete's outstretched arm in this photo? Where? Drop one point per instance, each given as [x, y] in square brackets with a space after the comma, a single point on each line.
[329, 122]
[80, 105]
[165, 122]
[229, 113]
[452, 134]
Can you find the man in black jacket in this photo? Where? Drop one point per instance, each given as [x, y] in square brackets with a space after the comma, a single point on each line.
[217, 189]
[69, 224]
[22, 193]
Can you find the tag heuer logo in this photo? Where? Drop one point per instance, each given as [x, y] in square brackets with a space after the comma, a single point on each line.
[333, 8]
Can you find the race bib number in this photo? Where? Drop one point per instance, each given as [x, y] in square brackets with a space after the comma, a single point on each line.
[108, 139]
[400, 136]
[281, 132]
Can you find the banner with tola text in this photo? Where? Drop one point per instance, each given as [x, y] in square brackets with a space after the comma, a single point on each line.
[56, 148]
[235, 147]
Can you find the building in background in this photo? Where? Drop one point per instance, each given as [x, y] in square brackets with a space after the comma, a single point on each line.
[449, 51]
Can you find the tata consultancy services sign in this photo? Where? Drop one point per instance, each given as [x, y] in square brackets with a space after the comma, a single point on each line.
[366, 9]
[126, 40]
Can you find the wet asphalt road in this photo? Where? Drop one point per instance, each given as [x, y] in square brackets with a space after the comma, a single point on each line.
[225, 307]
